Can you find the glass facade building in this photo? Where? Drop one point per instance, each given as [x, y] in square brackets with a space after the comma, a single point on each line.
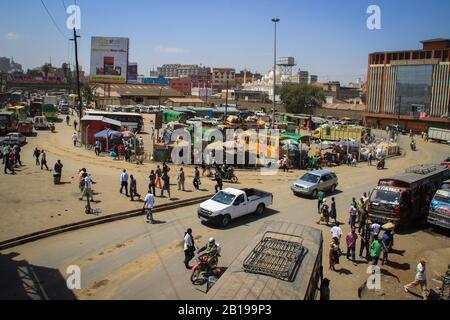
[414, 87]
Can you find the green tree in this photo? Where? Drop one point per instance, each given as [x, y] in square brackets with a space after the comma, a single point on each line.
[302, 98]
[46, 69]
[88, 92]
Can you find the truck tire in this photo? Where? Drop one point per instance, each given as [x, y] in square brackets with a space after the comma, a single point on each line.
[225, 220]
[260, 209]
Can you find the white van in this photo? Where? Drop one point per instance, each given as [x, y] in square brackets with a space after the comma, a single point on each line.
[40, 123]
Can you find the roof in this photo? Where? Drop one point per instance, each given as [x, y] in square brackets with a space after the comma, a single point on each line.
[233, 191]
[142, 90]
[102, 119]
[100, 112]
[435, 40]
[412, 176]
[344, 106]
[236, 284]
[186, 100]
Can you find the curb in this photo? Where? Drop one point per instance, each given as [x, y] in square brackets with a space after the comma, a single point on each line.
[6, 244]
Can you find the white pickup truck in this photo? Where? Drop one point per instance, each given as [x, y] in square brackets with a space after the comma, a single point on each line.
[231, 203]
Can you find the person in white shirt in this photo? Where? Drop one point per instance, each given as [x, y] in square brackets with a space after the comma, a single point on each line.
[189, 248]
[420, 279]
[149, 202]
[375, 227]
[336, 232]
[124, 182]
[74, 139]
[87, 191]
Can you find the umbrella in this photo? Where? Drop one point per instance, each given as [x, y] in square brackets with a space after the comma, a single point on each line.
[108, 134]
[127, 134]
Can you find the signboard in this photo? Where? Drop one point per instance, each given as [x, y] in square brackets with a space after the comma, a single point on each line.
[109, 60]
[132, 72]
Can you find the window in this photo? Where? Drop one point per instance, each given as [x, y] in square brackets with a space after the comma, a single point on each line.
[239, 200]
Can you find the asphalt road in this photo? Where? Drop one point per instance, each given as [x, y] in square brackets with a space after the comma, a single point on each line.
[133, 260]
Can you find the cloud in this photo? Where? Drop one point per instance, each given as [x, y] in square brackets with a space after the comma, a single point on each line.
[12, 36]
[164, 49]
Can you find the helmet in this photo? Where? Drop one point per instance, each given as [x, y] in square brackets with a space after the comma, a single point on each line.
[211, 240]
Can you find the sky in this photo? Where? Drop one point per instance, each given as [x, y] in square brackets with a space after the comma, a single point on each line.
[328, 38]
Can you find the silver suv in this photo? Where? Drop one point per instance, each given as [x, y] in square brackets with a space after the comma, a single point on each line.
[313, 182]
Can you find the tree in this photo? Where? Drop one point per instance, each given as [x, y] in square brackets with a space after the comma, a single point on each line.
[302, 98]
[46, 69]
[88, 92]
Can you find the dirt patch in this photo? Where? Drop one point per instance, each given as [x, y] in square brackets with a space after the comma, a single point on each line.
[100, 284]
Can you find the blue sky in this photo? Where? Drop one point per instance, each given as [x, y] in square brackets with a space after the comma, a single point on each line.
[328, 38]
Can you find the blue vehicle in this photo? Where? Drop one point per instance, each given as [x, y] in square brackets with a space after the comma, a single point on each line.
[439, 214]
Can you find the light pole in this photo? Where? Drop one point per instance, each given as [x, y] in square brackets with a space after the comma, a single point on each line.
[274, 20]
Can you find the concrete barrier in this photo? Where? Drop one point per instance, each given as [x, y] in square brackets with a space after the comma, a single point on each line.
[6, 244]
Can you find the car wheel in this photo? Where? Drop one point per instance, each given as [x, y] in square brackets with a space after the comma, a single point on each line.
[226, 219]
[314, 194]
[260, 209]
[333, 189]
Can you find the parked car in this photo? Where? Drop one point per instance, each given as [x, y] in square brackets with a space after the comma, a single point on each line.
[313, 182]
[13, 138]
[231, 203]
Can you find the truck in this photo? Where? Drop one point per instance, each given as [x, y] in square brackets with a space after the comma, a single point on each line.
[231, 203]
[439, 134]
[8, 122]
[54, 100]
[338, 132]
[439, 213]
[282, 262]
[405, 198]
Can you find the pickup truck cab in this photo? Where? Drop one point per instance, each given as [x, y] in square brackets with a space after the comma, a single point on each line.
[231, 203]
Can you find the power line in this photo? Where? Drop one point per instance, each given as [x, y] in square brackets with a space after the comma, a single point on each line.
[53, 20]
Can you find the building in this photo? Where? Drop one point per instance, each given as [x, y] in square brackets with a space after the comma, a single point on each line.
[245, 76]
[202, 92]
[183, 85]
[220, 77]
[184, 102]
[334, 92]
[90, 125]
[313, 79]
[303, 77]
[180, 70]
[410, 88]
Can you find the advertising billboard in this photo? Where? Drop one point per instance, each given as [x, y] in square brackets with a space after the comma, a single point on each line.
[109, 60]
[132, 72]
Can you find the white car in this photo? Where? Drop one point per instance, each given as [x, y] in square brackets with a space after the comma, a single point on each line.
[14, 138]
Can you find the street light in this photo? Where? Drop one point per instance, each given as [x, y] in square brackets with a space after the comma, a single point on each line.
[274, 20]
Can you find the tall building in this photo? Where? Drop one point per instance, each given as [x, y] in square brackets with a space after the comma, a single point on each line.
[411, 88]
[220, 76]
[180, 70]
[313, 79]
[303, 77]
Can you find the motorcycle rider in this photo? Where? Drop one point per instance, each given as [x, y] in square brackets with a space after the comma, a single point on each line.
[413, 145]
[211, 250]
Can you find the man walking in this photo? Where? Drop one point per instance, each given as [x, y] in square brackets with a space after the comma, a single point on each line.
[166, 185]
[149, 202]
[420, 279]
[375, 251]
[133, 188]
[75, 123]
[320, 196]
[196, 181]
[152, 183]
[98, 147]
[74, 139]
[57, 172]
[87, 188]
[375, 227]
[158, 177]
[124, 182]
[219, 182]
[9, 162]
[181, 179]
[44, 160]
[369, 159]
[333, 211]
[351, 245]
[364, 233]
[189, 248]
[36, 154]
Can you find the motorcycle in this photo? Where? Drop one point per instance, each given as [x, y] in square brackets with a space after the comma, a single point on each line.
[229, 175]
[203, 268]
[413, 146]
[380, 164]
[52, 128]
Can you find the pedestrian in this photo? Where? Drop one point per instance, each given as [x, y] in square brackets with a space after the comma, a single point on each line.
[152, 184]
[57, 172]
[375, 251]
[127, 153]
[362, 213]
[324, 213]
[44, 160]
[336, 232]
[219, 182]
[386, 241]
[189, 248]
[87, 187]
[133, 188]
[158, 177]
[181, 180]
[325, 289]
[149, 202]
[375, 228]
[74, 139]
[75, 123]
[6, 150]
[320, 197]
[333, 211]
[165, 168]
[203, 167]
[351, 244]
[9, 162]
[369, 158]
[313, 162]
[17, 151]
[67, 120]
[98, 147]
[333, 254]
[82, 174]
[124, 182]
[166, 185]
[196, 181]
[353, 215]
[420, 279]
[364, 234]
[36, 154]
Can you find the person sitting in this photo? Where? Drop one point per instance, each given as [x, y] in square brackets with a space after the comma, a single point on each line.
[211, 250]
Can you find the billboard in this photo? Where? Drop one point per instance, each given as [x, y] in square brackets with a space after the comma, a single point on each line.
[109, 60]
[132, 72]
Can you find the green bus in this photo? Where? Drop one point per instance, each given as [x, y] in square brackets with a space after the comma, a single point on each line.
[49, 112]
[173, 116]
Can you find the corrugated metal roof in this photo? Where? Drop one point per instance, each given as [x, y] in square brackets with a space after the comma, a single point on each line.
[103, 119]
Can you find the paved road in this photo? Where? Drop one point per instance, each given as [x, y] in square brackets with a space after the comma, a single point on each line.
[132, 260]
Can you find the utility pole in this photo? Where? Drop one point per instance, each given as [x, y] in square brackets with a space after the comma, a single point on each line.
[80, 101]
[226, 103]
[275, 21]
[160, 93]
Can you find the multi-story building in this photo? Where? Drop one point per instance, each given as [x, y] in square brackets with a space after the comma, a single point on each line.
[312, 79]
[303, 77]
[180, 70]
[220, 77]
[183, 85]
[410, 88]
[245, 76]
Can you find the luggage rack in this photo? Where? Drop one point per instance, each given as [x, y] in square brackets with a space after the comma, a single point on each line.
[275, 257]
